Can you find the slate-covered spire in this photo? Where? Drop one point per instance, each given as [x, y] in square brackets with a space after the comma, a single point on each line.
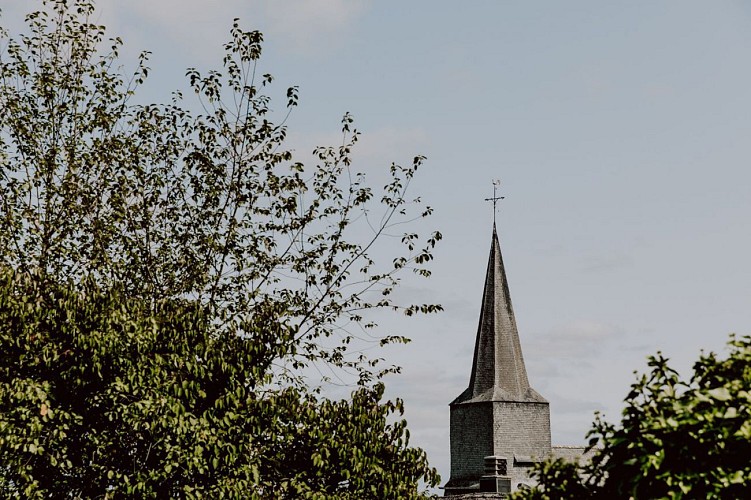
[498, 371]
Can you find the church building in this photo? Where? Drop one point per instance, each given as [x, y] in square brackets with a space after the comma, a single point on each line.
[500, 426]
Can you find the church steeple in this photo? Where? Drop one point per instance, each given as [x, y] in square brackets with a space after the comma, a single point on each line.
[499, 417]
[498, 371]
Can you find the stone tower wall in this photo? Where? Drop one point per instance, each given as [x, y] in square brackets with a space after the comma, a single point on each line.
[503, 428]
[471, 430]
[521, 429]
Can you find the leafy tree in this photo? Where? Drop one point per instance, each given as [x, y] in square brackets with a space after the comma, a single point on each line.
[168, 204]
[181, 259]
[105, 396]
[676, 439]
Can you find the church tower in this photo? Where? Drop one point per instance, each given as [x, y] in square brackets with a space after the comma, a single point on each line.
[499, 416]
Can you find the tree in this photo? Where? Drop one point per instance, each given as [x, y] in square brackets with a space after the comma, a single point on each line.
[105, 396]
[166, 204]
[175, 217]
[676, 439]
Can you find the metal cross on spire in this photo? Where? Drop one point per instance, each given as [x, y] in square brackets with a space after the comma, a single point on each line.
[495, 199]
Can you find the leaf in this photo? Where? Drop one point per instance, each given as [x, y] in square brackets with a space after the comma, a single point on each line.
[720, 394]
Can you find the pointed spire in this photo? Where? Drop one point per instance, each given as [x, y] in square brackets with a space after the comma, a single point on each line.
[498, 371]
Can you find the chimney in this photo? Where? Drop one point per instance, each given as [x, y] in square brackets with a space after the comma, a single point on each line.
[495, 479]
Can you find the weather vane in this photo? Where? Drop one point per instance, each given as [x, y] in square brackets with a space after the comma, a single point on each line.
[495, 199]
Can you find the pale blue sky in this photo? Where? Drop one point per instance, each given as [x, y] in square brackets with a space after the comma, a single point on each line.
[620, 131]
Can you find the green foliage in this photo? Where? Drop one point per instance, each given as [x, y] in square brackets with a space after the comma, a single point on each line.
[102, 396]
[557, 479]
[675, 440]
[170, 278]
[344, 449]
